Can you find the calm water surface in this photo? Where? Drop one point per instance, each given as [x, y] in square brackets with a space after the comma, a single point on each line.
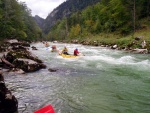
[102, 81]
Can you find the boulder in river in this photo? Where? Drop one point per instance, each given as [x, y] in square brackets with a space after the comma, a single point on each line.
[52, 69]
[28, 65]
[8, 102]
[12, 55]
[20, 58]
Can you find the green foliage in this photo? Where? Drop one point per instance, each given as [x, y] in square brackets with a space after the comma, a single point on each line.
[16, 21]
[107, 16]
[58, 32]
[75, 31]
[65, 10]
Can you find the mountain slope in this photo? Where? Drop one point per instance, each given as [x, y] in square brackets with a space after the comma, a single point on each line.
[39, 21]
[65, 9]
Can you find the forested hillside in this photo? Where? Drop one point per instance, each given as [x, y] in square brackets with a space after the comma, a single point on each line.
[16, 21]
[108, 16]
[65, 9]
[39, 21]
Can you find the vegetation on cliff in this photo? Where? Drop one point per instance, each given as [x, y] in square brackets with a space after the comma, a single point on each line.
[16, 21]
[107, 22]
[103, 22]
[65, 10]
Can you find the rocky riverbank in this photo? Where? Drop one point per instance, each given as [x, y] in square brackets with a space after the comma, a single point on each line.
[15, 56]
[138, 45]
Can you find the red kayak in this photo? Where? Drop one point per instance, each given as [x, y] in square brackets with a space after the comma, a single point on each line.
[46, 109]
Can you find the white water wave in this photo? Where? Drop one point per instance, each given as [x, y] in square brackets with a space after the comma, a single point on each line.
[124, 60]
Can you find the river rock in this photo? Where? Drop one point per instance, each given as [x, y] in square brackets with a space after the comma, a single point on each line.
[16, 71]
[12, 55]
[52, 69]
[12, 41]
[18, 47]
[2, 49]
[1, 63]
[28, 65]
[15, 42]
[114, 47]
[143, 51]
[8, 102]
[138, 38]
[34, 48]
[55, 41]
[143, 44]
[21, 58]
[74, 41]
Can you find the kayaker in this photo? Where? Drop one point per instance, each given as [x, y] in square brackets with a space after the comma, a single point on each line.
[76, 52]
[46, 44]
[65, 51]
[54, 49]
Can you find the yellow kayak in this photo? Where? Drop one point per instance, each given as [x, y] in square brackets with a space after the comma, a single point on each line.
[68, 56]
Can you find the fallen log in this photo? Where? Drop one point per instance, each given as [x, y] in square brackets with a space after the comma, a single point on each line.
[7, 62]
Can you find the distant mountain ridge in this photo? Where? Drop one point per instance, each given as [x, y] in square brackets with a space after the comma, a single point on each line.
[39, 21]
[65, 9]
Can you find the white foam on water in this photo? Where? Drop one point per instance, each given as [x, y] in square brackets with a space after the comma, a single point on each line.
[134, 61]
[96, 55]
[99, 66]
[126, 60]
[145, 64]
[100, 58]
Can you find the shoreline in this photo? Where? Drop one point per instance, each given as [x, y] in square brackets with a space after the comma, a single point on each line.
[113, 47]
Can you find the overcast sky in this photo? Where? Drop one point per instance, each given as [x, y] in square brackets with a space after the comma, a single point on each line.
[42, 7]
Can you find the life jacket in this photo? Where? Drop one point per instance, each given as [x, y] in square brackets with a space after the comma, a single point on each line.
[64, 50]
[76, 52]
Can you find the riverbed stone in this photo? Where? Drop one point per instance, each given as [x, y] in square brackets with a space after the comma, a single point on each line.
[52, 69]
[138, 51]
[12, 55]
[27, 65]
[114, 47]
[8, 102]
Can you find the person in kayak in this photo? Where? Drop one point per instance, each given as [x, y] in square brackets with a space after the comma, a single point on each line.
[76, 52]
[65, 51]
[46, 44]
[54, 49]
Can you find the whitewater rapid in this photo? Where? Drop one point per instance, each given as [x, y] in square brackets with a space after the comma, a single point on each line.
[102, 81]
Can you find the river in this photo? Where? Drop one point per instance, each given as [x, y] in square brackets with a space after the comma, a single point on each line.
[102, 81]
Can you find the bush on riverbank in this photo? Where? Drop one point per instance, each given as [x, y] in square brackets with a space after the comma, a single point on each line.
[131, 41]
[110, 22]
